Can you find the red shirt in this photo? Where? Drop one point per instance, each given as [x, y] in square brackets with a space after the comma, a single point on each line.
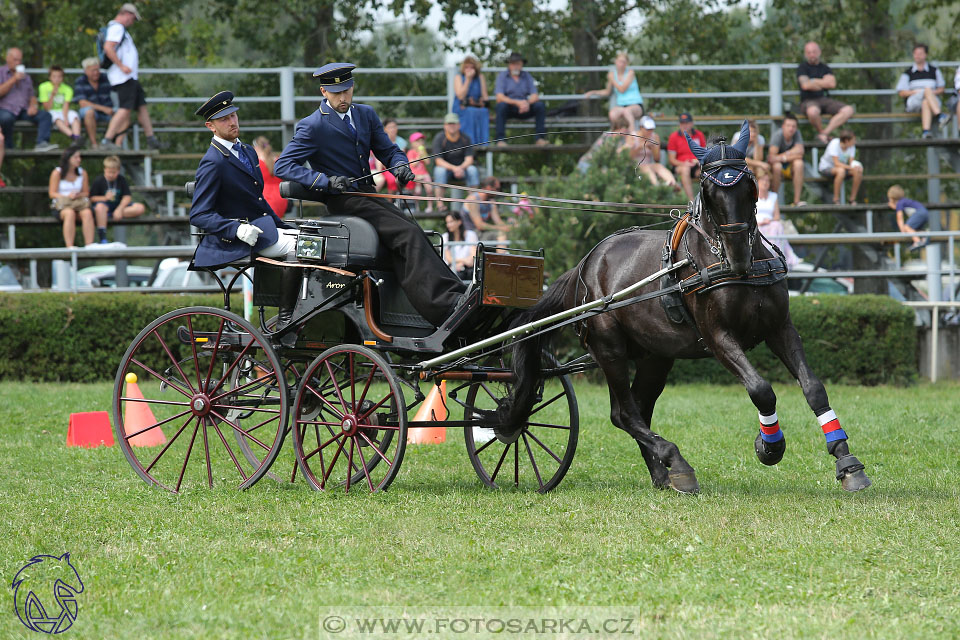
[271, 191]
[678, 143]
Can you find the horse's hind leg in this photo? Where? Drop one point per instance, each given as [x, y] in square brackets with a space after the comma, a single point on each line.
[648, 384]
[787, 346]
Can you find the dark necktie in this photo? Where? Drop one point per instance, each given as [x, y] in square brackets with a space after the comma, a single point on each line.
[346, 119]
[244, 160]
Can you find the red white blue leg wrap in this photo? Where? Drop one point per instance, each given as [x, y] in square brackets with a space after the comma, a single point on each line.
[831, 426]
[770, 428]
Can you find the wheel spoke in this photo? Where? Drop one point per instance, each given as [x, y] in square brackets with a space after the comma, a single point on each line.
[321, 446]
[323, 482]
[484, 446]
[377, 449]
[193, 347]
[483, 385]
[183, 469]
[226, 374]
[336, 386]
[230, 452]
[240, 430]
[162, 422]
[237, 390]
[323, 399]
[363, 395]
[363, 465]
[164, 450]
[532, 461]
[206, 452]
[377, 406]
[516, 464]
[174, 360]
[353, 385]
[543, 446]
[350, 464]
[549, 402]
[503, 457]
[549, 426]
[216, 348]
[162, 378]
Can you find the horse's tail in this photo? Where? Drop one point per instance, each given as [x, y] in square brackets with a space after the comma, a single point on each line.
[515, 409]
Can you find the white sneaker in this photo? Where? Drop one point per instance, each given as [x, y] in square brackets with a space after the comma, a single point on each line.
[46, 146]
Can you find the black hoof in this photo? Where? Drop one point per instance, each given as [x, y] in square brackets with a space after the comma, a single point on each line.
[684, 482]
[850, 474]
[769, 453]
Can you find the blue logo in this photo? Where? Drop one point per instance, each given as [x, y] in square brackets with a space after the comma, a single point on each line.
[45, 593]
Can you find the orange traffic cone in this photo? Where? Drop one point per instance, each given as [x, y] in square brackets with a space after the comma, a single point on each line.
[138, 416]
[432, 409]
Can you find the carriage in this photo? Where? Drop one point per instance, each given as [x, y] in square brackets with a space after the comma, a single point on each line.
[229, 392]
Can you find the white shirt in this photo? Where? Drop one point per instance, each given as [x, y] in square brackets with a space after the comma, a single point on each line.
[126, 52]
[765, 207]
[832, 151]
[229, 145]
[956, 80]
[353, 120]
[905, 83]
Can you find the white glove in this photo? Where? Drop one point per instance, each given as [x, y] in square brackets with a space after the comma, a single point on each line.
[248, 233]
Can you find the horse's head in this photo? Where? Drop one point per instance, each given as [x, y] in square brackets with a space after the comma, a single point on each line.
[728, 195]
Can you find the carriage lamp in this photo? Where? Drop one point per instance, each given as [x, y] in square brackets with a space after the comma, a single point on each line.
[311, 247]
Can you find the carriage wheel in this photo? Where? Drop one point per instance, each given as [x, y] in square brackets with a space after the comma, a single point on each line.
[203, 374]
[540, 454]
[350, 426]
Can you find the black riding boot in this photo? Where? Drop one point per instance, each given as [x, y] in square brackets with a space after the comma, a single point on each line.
[290, 281]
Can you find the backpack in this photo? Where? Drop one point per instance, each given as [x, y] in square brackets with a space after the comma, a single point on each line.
[105, 62]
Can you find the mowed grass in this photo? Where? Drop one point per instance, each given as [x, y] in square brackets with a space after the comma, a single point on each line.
[762, 552]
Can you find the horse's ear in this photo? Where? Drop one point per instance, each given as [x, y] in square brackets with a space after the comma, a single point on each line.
[695, 147]
[744, 140]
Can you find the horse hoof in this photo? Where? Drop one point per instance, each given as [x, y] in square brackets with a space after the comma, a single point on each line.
[769, 453]
[685, 482]
[856, 481]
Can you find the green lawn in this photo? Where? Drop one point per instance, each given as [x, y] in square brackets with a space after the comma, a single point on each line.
[762, 552]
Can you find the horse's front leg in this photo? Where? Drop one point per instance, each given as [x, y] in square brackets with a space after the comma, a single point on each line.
[787, 346]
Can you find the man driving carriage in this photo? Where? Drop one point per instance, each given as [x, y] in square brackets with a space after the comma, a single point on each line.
[337, 140]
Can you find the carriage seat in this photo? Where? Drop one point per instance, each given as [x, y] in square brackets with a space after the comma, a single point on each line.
[351, 241]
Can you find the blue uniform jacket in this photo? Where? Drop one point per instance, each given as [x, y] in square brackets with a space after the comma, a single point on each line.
[327, 142]
[226, 195]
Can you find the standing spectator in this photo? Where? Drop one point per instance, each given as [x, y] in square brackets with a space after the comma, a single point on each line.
[420, 167]
[461, 257]
[392, 129]
[470, 101]
[786, 157]
[55, 97]
[919, 215]
[518, 97]
[481, 214]
[684, 163]
[123, 75]
[271, 183]
[92, 92]
[921, 86]
[18, 102]
[455, 161]
[768, 216]
[111, 198]
[754, 154]
[816, 79]
[622, 82]
[69, 190]
[647, 156]
[838, 162]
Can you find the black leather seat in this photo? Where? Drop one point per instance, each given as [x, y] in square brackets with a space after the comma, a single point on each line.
[353, 242]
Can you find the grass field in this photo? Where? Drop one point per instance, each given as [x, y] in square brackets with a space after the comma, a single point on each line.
[762, 552]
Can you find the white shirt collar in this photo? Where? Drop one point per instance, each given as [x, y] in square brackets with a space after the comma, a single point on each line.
[227, 143]
[338, 113]
[914, 67]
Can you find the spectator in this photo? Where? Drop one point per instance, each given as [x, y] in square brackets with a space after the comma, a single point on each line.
[123, 75]
[816, 79]
[786, 157]
[455, 161]
[768, 216]
[391, 128]
[684, 163]
[55, 97]
[69, 190]
[518, 97]
[838, 162]
[622, 82]
[921, 86]
[955, 100]
[110, 195]
[919, 216]
[271, 183]
[461, 257]
[647, 156]
[616, 138]
[470, 101]
[420, 167]
[481, 213]
[18, 102]
[3, 149]
[754, 157]
[92, 92]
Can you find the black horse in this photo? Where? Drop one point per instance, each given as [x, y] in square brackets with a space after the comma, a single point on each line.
[730, 298]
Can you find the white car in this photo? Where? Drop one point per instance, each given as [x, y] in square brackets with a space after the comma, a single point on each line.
[8, 279]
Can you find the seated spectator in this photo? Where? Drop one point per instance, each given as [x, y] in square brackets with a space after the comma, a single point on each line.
[271, 183]
[816, 79]
[420, 167]
[919, 215]
[647, 156]
[392, 130]
[460, 258]
[768, 216]
[786, 157]
[684, 163]
[111, 198]
[755, 148]
[481, 215]
[92, 92]
[518, 97]
[18, 102]
[470, 101]
[622, 82]
[921, 86]
[838, 162]
[616, 138]
[55, 97]
[69, 190]
[455, 159]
